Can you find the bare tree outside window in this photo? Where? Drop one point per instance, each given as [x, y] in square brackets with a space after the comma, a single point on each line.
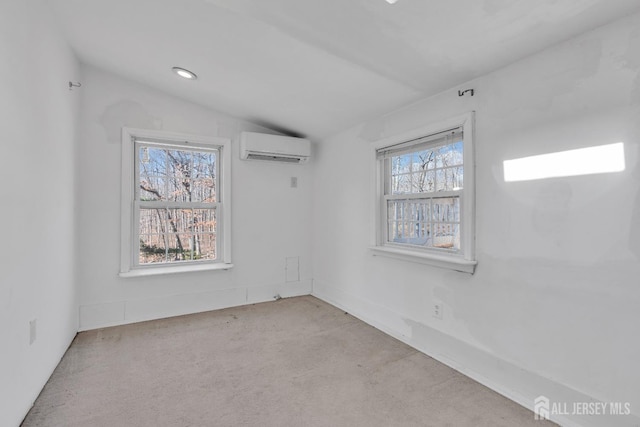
[177, 204]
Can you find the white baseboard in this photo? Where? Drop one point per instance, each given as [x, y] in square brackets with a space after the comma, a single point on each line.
[511, 381]
[94, 316]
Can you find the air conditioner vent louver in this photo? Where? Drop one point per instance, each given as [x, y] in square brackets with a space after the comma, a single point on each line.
[274, 148]
[270, 158]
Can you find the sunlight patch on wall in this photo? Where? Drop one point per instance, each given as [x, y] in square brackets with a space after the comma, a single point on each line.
[582, 161]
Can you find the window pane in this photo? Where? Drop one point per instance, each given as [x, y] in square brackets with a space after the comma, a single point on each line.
[408, 222]
[185, 176]
[152, 221]
[425, 234]
[440, 180]
[152, 161]
[192, 235]
[191, 220]
[424, 181]
[408, 210]
[203, 221]
[152, 172]
[179, 220]
[413, 211]
[404, 230]
[174, 235]
[205, 247]
[179, 247]
[204, 165]
[415, 222]
[401, 164]
[454, 178]
[203, 190]
[417, 182]
[401, 184]
[395, 165]
[450, 179]
[447, 236]
[394, 208]
[410, 232]
[179, 163]
[152, 229]
[152, 248]
[153, 188]
[446, 209]
[426, 211]
[456, 154]
[191, 247]
[179, 189]
[426, 171]
[423, 160]
[392, 211]
[440, 161]
[449, 155]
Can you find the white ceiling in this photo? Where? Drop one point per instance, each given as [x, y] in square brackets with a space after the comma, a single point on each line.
[315, 67]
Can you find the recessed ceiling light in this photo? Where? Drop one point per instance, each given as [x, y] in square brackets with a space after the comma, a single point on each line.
[185, 74]
[391, 1]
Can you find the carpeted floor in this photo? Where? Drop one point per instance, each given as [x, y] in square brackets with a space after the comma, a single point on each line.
[292, 362]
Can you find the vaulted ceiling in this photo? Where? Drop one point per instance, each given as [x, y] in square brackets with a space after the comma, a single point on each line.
[315, 67]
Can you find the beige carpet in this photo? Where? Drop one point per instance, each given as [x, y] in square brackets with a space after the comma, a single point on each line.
[292, 362]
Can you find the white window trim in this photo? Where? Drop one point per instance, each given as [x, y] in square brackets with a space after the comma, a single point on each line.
[465, 260]
[127, 267]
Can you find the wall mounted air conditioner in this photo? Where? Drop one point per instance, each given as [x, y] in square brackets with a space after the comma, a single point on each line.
[275, 148]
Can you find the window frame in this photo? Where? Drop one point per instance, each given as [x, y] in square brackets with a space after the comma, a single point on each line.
[130, 206]
[459, 260]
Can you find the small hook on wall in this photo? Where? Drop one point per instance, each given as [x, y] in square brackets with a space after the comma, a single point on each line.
[462, 92]
[72, 85]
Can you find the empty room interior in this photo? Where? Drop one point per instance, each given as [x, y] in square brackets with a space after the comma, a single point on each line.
[305, 212]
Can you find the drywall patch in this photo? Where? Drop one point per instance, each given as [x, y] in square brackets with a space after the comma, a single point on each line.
[553, 91]
[126, 113]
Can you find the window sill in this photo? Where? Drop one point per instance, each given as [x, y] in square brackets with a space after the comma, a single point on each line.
[443, 261]
[158, 271]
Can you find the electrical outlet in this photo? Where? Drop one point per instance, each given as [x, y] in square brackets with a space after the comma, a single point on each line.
[32, 331]
[294, 182]
[438, 309]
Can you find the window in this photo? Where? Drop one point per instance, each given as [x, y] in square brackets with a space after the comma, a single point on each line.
[174, 202]
[425, 194]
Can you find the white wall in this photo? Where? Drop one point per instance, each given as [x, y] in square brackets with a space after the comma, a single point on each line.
[553, 306]
[37, 169]
[270, 220]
